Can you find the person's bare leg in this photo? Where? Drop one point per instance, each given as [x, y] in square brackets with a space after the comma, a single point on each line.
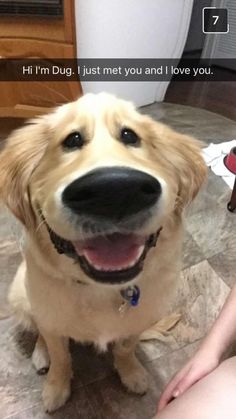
[213, 397]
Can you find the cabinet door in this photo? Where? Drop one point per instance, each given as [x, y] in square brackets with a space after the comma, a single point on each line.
[37, 38]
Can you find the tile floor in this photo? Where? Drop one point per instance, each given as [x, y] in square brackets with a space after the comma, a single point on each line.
[209, 267]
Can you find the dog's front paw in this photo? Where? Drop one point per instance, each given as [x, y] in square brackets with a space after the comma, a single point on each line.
[40, 360]
[135, 380]
[55, 394]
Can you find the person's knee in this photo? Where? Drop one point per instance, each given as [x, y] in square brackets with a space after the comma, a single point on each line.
[220, 389]
[229, 363]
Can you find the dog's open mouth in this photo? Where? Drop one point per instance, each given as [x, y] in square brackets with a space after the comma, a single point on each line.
[109, 258]
[112, 258]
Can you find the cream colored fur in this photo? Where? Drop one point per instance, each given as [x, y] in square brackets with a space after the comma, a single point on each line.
[45, 293]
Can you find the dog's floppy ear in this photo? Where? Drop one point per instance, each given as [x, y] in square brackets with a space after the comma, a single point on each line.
[190, 168]
[182, 157]
[22, 152]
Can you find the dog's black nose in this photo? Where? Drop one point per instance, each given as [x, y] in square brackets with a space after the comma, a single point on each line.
[112, 193]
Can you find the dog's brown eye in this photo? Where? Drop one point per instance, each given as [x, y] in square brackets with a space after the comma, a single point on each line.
[129, 137]
[73, 141]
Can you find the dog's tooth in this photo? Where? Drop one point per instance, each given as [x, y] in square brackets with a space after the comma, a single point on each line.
[99, 268]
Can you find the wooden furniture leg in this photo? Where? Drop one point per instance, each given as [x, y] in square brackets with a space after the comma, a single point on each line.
[232, 203]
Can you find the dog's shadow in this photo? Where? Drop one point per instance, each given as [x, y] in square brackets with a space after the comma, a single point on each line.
[89, 364]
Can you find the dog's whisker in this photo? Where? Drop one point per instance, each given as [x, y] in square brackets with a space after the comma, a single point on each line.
[42, 222]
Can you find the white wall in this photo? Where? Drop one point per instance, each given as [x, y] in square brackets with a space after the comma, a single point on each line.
[131, 29]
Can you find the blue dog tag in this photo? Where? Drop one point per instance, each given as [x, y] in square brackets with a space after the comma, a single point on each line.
[131, 295]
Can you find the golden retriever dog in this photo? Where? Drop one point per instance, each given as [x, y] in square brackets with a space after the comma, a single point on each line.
[100, 190]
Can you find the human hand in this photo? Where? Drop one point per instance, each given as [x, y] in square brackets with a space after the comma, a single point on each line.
[200, 365]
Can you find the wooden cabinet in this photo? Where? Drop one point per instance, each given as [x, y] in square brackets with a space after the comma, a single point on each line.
[37, 37]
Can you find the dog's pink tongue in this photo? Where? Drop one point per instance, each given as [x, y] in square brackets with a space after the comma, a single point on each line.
[112, 252]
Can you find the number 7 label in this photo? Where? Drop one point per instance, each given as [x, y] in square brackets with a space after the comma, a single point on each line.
[215, 20]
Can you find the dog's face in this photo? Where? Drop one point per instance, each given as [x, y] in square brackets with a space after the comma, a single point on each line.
[103, 178]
